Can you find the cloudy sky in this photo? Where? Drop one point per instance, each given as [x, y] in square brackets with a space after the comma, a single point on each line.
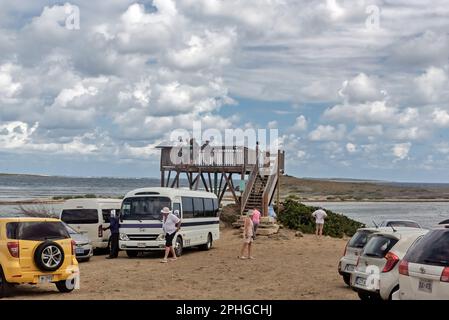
[357, 89]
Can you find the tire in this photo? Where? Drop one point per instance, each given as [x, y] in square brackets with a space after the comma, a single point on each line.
[178, 247]
[390, 297]
[4, 285]
[65, 286]
[132, 253]
[365, 296]
[49, 256]
[208, 244]
[347, 279]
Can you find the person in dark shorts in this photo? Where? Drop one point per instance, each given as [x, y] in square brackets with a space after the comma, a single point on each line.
[170, 224]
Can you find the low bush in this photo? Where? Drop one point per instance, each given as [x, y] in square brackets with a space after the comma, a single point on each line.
[298, 216]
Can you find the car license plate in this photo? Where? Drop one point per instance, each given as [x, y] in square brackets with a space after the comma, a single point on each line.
[79, 251]
[425, 285]
[350, 267]
[141, 245]
[360, 281]
[45, 279]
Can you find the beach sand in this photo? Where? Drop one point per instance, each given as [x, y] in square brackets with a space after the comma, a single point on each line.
[286, 267]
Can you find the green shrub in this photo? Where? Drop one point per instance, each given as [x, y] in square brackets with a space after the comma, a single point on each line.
[298, 216]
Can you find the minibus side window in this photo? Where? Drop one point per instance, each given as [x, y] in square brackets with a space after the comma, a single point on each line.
[209, 207]
[198, 206]
[106, 215]
[187, 207]
[215, 201]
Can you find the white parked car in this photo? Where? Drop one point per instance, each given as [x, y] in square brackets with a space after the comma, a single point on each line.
[83, 250]
[353, 249]
[424, 271]
[376, 275]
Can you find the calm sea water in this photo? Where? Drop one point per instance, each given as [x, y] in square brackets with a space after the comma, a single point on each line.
[427, 214]
[15, 187]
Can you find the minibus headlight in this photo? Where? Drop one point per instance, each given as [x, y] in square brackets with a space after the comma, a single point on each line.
[124, 237]
[161, 237]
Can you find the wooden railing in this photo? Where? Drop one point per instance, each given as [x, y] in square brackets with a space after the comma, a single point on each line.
[270, 187]
[212, 156]
[248, 188]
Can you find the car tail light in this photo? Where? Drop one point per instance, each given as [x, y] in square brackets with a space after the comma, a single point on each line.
[73, 247]
[403, 267]
[100, 231]
[445, 275]
[14, 249]
[392, 260]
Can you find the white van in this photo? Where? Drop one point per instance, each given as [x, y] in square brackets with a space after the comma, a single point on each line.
[141, 219]
[89, 217]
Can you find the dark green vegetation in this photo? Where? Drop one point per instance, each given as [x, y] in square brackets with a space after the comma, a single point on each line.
[297, 216]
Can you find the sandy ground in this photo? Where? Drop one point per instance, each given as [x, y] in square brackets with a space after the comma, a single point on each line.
[286, 267]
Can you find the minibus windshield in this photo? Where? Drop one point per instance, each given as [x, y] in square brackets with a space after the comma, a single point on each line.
[144, 208]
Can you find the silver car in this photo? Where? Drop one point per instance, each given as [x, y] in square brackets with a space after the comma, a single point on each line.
[84, 249]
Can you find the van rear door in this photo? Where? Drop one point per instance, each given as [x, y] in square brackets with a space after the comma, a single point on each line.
[85, 221]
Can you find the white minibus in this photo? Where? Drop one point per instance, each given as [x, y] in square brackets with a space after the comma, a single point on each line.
[89, 217]
[141, 219]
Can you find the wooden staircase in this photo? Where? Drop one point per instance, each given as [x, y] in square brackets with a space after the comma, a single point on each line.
[255, 199]
[261, 186]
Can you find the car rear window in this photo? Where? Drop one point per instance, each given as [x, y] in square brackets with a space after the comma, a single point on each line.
[409, 224]
[432, 249]
[359, 239]
[80, 216]
[36, 231]
[378, 246]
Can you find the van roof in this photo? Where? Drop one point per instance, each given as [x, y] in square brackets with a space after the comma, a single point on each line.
[169, 192]
[93, 200]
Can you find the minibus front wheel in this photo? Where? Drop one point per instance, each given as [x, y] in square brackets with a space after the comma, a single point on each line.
[178, 246]
[132, 253]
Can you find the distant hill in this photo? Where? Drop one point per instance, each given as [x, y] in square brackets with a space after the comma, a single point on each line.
[310, 189]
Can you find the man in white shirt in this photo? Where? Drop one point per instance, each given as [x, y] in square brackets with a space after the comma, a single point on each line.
[319, 216]
[170, 224]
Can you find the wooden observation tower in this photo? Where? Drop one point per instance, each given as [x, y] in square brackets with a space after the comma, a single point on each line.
[250, 175]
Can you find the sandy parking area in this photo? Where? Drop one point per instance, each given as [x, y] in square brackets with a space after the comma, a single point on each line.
[286, 267]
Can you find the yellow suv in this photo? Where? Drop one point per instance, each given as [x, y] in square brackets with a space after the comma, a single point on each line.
[36, 250]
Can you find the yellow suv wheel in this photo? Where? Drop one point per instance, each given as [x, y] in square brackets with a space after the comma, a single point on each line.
[4, 285]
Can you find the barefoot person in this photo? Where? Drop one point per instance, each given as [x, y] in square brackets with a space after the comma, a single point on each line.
[170, 224]
[319, 216]
[248, 232]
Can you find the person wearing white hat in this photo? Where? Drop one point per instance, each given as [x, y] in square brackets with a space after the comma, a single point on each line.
[170, 224]
[248, 233]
